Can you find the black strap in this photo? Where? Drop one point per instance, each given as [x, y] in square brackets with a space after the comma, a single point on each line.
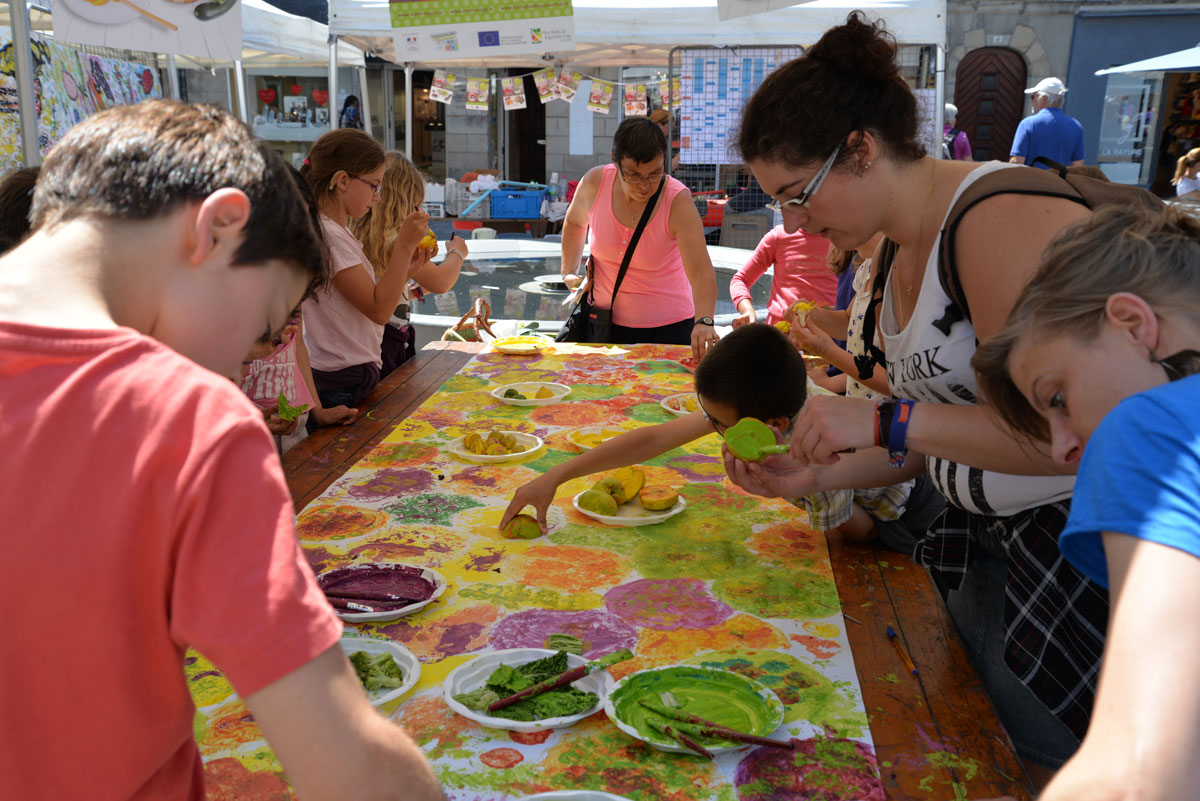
[637, 234]
[872, 355]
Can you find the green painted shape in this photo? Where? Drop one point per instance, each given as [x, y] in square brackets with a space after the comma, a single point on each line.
[611, 538]
[592, 392]
[551, 458]
[806, 693]
[780, 593]
[500, 411]
[891, 678]
[725, 698]
[517, 597]
[463, 383]
[648, 413]
[654, 366]
[667, 557]
[430, 508]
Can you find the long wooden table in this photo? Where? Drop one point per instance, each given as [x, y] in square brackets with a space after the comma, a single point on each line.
[936, 735]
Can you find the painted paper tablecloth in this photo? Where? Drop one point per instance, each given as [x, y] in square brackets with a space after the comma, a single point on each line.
[735, 582]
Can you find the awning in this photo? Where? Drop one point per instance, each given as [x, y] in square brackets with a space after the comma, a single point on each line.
[621, 33]
[1180, 61]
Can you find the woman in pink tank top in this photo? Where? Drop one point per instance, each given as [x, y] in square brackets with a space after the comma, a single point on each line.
[670, 289]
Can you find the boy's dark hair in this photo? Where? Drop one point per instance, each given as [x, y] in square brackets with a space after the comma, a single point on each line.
[756, 370]
[348, 150]
[848, 81]
[16, 198]
[319, 282]
[145, 161]
[639, 139]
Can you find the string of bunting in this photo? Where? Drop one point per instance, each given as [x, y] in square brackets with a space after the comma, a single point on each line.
[552, 85]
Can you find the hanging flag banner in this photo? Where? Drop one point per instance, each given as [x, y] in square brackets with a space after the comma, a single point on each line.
[567, 84]
[669, 93]
[477, 93]
[211, 29]
[600, 98]
[544, 80]
[429, 30]
[635, 100]
[513, 90]
[442, 89]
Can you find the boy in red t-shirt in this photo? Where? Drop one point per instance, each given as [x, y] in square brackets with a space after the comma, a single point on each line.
[144, 507]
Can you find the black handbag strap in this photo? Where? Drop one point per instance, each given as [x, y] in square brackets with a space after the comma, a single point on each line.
[637, 234]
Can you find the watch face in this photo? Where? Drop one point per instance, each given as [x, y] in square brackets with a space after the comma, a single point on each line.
[705, 321]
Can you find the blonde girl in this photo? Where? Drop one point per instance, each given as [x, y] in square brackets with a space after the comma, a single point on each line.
[403, 193]
[1187, 172]
[344, 323]
[1100, 360]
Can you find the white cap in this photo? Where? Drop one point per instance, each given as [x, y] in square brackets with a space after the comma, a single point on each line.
[1050, 86]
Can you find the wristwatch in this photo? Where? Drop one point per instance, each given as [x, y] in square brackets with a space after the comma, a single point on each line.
[703, 321]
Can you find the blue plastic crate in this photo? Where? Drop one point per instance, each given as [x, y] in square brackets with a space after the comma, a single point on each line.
[509, 204]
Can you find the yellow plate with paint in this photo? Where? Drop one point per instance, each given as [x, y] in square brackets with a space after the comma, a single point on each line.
[522, 345]
[588, 437]
[681, 403]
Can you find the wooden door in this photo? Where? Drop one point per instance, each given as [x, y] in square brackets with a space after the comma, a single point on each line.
[526, 136]
[989, 90]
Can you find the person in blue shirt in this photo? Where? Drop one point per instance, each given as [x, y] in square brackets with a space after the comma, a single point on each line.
[1100, 363]
[1048, 131]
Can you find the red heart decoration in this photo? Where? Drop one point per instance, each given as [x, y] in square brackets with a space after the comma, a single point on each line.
[296, 88]
[147, 81]
[320, 96]
[267, 96]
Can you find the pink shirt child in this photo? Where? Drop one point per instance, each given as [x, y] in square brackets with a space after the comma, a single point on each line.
[146, 512]
[279, 373]
[801, 272]
[656, 290]
[337, 334]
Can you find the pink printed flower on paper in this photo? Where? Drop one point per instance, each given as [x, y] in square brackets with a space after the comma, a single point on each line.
[667, 604]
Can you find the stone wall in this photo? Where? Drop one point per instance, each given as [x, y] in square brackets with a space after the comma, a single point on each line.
[604, 126]
[1041, 32]
[468, 141]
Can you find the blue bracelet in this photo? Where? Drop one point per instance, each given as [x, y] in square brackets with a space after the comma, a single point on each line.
[898, 432]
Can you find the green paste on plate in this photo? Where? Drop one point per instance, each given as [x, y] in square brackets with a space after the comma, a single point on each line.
[725, 698]
[507, 680]
[377, 671]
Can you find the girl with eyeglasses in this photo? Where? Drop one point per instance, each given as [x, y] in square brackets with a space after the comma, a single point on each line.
[832, 136]
[343, 324]
[669, 293]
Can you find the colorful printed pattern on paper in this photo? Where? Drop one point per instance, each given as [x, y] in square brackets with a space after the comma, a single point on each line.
[735, 582]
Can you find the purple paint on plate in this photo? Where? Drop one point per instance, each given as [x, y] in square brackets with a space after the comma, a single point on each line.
[601, 632]
[667, 604]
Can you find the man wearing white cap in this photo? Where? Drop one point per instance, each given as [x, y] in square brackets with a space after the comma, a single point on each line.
[1048, 131]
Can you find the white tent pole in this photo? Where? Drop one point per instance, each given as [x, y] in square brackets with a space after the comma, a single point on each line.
[389, 106]
[239, 78]
[334, 109]
[408, 106]
[364, 100]
[18, 12]
[173, 76]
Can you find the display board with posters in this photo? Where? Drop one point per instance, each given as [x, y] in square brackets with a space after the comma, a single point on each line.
[71, 85]
[429, 30]
[205, 28]
[714, 85]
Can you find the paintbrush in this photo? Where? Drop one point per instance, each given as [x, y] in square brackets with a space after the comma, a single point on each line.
[574, 674]
[714, 731]
[680, 738]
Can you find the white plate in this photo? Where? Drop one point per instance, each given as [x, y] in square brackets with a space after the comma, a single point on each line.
[632, 513]
[439, 587]
[574, 795]
[528, 388]
[110, 13]
[674, 403]
[473, 675]
[406, 659]
[576, 435]
[529, 441]
[764, 692]
[554, 280]
[523, 345]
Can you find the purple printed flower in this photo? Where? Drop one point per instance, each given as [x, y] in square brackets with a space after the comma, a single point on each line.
[666, 604]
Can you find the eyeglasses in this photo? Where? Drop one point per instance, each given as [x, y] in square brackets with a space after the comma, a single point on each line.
[717, 425]
[801, 200]
[376, 188]
[642, 180]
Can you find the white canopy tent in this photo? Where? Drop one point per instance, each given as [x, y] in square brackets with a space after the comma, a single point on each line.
[1179, 61]
[624, 33]
[270, 36]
